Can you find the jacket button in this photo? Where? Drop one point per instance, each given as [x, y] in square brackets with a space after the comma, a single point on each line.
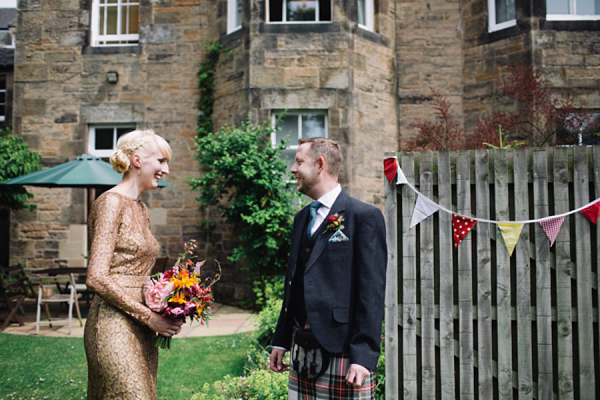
[285, 310]
[290, 283]
[308, 250]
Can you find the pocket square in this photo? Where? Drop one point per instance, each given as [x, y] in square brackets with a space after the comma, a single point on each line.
[338, 236]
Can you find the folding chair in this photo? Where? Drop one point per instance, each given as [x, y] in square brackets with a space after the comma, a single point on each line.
[49, 292]
[11, 293]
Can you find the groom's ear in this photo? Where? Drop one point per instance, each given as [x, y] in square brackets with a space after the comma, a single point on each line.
[322, 164]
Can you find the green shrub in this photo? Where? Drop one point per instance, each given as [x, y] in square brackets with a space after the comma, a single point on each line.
[270, 287]
[260, 384]
[15, 160]
[266, 323]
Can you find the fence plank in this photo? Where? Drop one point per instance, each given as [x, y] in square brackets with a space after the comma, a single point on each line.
[409, 285]
[391, 294]
[563, 277]
[542, 274]
[523, 278]
[465, 282]
[446, 288]
[484, 279]
[428, 372]
[583, 274]
[503, 290]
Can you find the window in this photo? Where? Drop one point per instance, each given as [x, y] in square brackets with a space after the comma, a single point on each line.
[297, 124]
[7, 40]
[366, 16]
[2, 97]
[115, 22]
[102, 139]
[234, 15]
[574, 10]
[501, 14]
[292, 11]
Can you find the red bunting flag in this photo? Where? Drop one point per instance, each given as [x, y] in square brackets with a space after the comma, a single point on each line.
[390, 167]
[592, 211]
[552, 226]
[461, 226]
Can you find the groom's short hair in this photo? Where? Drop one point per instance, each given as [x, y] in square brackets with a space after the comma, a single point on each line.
[329, 149]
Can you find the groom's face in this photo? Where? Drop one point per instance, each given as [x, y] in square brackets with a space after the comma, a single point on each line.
[305, 169]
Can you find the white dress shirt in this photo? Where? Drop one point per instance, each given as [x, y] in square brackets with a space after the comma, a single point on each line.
[326, 201]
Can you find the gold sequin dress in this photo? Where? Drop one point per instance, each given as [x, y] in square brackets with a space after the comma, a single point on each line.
[122, 358]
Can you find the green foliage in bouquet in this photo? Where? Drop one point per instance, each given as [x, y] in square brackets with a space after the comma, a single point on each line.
[245, 178]
[15, 160]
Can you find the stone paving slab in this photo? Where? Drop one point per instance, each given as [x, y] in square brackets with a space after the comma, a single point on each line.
[226, 320]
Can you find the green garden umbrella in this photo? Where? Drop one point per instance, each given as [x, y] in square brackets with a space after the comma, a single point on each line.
[86, 171]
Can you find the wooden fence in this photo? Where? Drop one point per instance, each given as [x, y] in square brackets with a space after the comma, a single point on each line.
[474, 322]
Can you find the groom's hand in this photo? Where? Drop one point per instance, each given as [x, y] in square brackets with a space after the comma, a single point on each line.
[356, 376]
[276, 360]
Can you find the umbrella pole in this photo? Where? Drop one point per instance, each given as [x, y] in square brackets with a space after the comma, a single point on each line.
[91, 193]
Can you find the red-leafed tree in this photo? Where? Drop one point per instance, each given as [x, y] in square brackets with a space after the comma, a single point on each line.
[540, 118]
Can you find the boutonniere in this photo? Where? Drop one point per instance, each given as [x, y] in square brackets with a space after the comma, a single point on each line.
[334, 223]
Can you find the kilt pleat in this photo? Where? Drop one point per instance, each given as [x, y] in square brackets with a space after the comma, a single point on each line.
[330, 385]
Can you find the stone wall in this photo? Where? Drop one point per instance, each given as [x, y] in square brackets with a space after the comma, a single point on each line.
[61, 88]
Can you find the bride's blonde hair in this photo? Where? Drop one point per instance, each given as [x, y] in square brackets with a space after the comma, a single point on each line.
[142, 142]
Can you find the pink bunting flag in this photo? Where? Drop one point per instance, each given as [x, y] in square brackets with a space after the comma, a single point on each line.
[552, 226]
[592, 211]
[461, 226]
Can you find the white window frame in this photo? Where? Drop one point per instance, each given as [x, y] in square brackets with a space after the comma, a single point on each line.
[572, 16]
[284, 15]
[492, 25]
[92, 138]
[234, 15]
[369, 15]
[3, 90]
[101, 40]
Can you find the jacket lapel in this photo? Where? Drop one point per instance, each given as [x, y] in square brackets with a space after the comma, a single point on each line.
[323, 236]
[297, 239]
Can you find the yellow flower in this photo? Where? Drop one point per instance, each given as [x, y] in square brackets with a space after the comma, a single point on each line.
[178, 298]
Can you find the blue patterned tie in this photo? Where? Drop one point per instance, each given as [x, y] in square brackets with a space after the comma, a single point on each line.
[314, 206]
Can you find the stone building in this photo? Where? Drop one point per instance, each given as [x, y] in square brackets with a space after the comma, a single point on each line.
[359, 72]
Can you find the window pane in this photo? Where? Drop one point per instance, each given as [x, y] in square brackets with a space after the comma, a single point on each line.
[104, 138]
[275, 10]
[362, 12]
[101, 30]
[289, 156]
[288, 129]
[2, 97]
[2, 110]
[134, 19]
[2, 82]
[585, 7]
[111, 20]
[325, 10]
[301, 11]
[122, 131]
[238, 14]
[505, 10]
[313, 125]
[557, 7]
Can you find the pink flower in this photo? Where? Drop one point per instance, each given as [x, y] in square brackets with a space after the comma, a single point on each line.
[174, 312]
[156, 294]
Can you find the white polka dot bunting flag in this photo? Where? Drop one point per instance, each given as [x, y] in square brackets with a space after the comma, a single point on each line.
[461, 226]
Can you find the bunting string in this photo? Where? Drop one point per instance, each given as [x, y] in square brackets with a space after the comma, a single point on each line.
[490, 221]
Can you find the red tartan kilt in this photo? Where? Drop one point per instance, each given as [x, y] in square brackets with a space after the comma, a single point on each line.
[330, 385]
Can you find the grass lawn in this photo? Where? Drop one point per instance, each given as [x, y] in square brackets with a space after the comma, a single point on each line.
[39, 367]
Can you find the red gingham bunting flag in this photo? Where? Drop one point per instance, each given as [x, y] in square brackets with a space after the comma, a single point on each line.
[591, 212]
[552, 226]
[461, 226]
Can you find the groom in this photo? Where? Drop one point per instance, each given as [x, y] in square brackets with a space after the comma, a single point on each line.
[335, 281]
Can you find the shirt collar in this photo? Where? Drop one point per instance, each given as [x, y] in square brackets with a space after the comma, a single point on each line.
[329, 198]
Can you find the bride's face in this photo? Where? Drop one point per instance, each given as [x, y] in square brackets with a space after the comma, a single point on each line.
[152, 169]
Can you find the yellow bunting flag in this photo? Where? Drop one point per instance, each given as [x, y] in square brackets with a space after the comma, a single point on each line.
[510, 233]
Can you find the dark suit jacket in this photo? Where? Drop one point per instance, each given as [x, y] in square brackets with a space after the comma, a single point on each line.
[344, 283]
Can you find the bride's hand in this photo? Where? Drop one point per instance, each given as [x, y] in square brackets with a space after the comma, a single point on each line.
[164, 326]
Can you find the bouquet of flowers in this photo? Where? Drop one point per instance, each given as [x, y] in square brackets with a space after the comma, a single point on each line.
[179, 293]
